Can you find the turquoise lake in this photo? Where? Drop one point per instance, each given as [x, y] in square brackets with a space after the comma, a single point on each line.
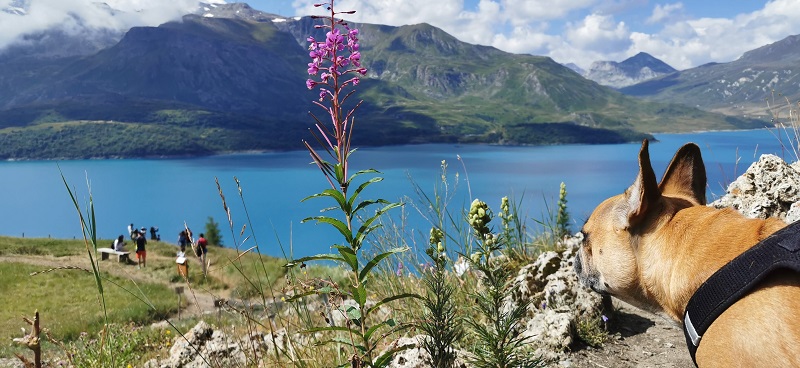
[165, 193]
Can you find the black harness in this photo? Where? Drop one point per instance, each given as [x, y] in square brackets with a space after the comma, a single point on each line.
[730, 283]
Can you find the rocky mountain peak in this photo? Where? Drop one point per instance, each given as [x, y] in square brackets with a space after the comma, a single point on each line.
[241, 11]
[635, 69]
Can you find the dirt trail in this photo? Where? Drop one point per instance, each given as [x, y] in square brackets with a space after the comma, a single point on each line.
[639, 339]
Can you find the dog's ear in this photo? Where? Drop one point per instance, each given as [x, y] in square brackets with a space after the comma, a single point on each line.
[686, 175]
[640, 196]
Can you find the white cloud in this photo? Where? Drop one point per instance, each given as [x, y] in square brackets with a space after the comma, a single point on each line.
[78, 16]
[525, 11]
[665, 13]
[600, 33]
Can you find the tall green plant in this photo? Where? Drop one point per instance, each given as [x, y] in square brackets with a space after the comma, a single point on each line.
[335, 67]
[500, 344]
[562, 216]
[440, 321]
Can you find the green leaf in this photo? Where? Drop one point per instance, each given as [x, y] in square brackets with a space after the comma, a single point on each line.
[361, 187]
[334, 328]
[386, 358]
[390, 323]
[362, 235]
[335, 194]
[318, 257]
[378, 214]
[336, 223]
[299, 296]
[374, 262]
[360, 295]
[390, 299]
[365, 228]
[349, 256]
[353, 313]
[366, 203]
[362, 172]
[339, 171]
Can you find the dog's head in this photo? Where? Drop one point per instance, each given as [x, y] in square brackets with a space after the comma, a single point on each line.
[617, 233]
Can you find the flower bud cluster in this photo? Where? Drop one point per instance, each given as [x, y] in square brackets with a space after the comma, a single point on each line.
[436, 239]
[505, 213]
[436, 250]
[479, 216]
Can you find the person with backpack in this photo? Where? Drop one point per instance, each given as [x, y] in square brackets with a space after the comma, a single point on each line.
[183, 241]
[202, 251]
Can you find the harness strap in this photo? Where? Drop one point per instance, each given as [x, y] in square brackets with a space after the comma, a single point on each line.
[730, 283]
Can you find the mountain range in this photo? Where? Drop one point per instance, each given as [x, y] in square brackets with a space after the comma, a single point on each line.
[743, 87]
[231, 78]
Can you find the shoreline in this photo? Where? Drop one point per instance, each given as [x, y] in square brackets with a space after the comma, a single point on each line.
[264, 151]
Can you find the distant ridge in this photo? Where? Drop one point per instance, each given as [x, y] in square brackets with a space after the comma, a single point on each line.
[739, 88]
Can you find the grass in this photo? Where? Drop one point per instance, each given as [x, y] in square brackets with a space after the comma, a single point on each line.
[73, 292]
[41, 247]
[67, 301]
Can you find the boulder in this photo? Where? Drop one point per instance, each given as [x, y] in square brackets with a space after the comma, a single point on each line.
[558, 300]
[769, 188]
[202, 346]
[417, 356]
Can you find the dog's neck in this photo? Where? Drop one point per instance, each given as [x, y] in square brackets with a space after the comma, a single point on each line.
[695, 243]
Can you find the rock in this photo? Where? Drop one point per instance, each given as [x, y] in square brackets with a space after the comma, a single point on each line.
[418, 357]
[200, 346]
[558, 299]
[769, 188]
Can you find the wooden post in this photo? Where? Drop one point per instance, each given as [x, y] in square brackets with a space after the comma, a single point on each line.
[179, 291]
[31, 340]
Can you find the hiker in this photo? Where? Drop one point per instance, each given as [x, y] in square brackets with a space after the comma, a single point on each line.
[119, 244]
[131, 229]
[202, 250]
[153, 231]
[141, 254]
[183, 241]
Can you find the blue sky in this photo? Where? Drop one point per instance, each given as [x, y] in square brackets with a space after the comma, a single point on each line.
[683, 34]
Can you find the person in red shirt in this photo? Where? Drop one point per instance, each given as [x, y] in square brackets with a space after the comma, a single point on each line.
[202, 245]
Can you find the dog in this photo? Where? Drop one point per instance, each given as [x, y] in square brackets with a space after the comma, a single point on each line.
[655, 244]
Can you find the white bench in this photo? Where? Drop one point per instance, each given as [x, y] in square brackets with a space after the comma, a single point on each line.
[122, 257]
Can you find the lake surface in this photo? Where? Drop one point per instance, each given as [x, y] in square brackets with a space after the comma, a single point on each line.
[165, 193]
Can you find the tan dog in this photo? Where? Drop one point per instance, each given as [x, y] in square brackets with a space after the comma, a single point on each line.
[655, 244]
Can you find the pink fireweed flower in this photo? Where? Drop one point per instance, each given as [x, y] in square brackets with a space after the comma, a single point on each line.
[355, 58]
[331, 60]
